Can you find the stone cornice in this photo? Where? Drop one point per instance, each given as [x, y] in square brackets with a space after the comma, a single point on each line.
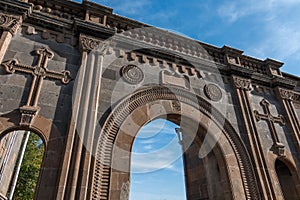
[98, 21]
[90, 28]
[16, 7]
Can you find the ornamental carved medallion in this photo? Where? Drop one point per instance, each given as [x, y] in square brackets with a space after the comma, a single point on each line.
[213, 92]
[132, 74]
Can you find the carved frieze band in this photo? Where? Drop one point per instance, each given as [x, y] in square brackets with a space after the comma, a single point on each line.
[10, 23]
[241, 83]
[88, 44]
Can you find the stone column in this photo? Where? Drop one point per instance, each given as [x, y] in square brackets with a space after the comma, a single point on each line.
[9, 25]
[77, 161]
[286, 98]
[242, 88]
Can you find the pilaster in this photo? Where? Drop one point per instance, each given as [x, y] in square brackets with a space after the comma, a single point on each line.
[286, 98]
[77, 162]
[243, 87]
[9, 24]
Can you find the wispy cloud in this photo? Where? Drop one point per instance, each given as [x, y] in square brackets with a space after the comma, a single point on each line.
[278, 29]
[148, 147]
[159, 126]
[160, 159]
[130, 7]
[235, 10]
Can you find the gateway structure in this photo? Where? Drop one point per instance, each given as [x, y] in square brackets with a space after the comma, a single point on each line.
[86, 80]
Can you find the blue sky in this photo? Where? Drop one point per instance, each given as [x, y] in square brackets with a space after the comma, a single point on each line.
[157, 165]
[261, 28]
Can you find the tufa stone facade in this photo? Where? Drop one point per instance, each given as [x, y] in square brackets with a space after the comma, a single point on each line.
[86, 80]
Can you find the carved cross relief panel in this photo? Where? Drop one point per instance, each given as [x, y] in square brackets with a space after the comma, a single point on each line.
[271, 121]
[39, 72]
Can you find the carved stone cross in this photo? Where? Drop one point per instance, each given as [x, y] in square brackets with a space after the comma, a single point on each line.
[271, 120]
[39, 73]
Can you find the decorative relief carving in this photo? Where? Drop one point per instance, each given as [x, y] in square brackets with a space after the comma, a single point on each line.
[296, 97]
[89, 44]
[9, 23]
[241, 83]
[213, 92]
[132, 74]
[278, 147]
[176, 106]
[28, 114]
[125, 191]
[39, 73]
[286, 94]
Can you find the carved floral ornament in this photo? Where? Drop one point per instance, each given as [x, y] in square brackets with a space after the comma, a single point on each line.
[10, 23]
[286, 94]
[89, 44]
[241, 83]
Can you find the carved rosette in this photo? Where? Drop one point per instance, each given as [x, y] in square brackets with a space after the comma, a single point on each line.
[241, 83]
[132, 74]
[28, 114]
[213, 92]
[10, 23]
[286, 94]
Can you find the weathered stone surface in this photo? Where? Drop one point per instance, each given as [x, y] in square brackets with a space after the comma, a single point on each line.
[115, 86]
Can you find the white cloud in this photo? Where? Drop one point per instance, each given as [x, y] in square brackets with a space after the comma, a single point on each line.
[148, 141]
[159, 126]
[279, 32]
[235, 10]
[131, 7]
[148, 147]
[156, 160]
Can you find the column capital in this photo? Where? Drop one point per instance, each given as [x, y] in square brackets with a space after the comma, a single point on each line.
[10, 23]
[88, 44]
[241, 83]
[286, 94]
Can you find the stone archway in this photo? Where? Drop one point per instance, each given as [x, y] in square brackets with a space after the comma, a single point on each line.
[53, 149]
[243, 181]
